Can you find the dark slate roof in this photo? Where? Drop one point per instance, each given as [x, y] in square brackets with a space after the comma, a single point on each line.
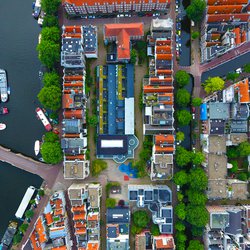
[71, 126]
[166, 228]
[111, 231]
[118, 215]
[234, 222]
[130, 80]
[217, 127]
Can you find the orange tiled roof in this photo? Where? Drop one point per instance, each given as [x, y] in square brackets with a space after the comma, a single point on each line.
[58, 203]
[164, 72]
[243, 90]
[243, 36]
[80, 230]
[58, 212]
[73, 84]
[67, 100]
[73, 29]
[168, 101]
[80, 216]
[164, 56]
[123, 32]
[209, 44]
[73, 78]
[93, 246]
[78, 208]
[164, 242]
[80, 224]
[59, 248]
[237, 35]
[163, 42]
[163, 49]
[227, 17]
[158, 89]
[49, 218]
[34, 241]
[93, 217]
[224, 9]
[40, 230]
[159, 149]
[160, 139]
[157, 79]
[226, 2]
[68, 114]
[69, 91]
[75, 157]
[71, 135]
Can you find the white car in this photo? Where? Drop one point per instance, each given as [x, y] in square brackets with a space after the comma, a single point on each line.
[178, 188]
[193, 115]
[176, 8]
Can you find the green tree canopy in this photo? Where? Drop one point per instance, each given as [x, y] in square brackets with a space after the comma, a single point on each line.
[135, 230]
[51, 78]
[49, 53]
[133, 56]
[183, 117]
[98, 166]
[244, 149]
[93, 120]
[232, 76]
[50, 97]
[180, 136]
[232, 152]
[181, 237]
[141, 218]
[183, 157]
[110, 203]
[179, 226]
[29, 214]
[196, 102]
[195, 10]
[198, 179]
[182, 97]
[50, 6]
[242, 176]
[17, 239]
[195, 245]
[182, 78]
[246, 68]
[41, 192]
[23, 228]
[180, 196]
[197, 158]
[154, 230]
[197, 215]
[180, 211]
[213, 84]
[196, 198]
[181, 178]
[195, 34]
[197, 231]
[51, 137]
[180, 246]
[50, 21]
[51, 152]
[235, 167]
[51, 34]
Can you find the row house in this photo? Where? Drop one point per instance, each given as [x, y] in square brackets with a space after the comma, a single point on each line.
[102, 8]
[52, 227]
[224, 27]
[85, 208]
[158, 99]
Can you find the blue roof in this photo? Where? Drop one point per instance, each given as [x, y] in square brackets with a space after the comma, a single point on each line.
[111, 99]
[57, 234]
[130, 80]
[203, 112]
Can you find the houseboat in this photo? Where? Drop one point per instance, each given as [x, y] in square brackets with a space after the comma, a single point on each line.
[8, 235]
[42, 117]
[3, 85]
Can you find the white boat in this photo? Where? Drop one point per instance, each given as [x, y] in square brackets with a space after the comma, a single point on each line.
[2, 126]
[37, 147]
[3, 85]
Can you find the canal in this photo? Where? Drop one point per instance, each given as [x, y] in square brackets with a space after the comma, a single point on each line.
[18, 56]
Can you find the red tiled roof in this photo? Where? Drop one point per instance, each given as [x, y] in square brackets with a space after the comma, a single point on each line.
[164, 72]
[164, 242]
[73, 84]
[40, 230]
[209, 44]
[159, 149]
[59, 248]
[123, 32]
[224, 9]
[226, 2]
[243, 36]
[72, 29]
[93, 246]
[73, 78]
[79, 224]
[67, 101]
[35, 243]
[157, 79]
[71, 135]
[78, 208]
[68, 114]
[160, 139]
[163, 42]
[93, 217]
[49, 218]
[227, 17]
[75, 157]
[243, 90]
[80, 231]
[163, 49]
[164, 56]
[80, 216]
[237, 35]
[157, 89]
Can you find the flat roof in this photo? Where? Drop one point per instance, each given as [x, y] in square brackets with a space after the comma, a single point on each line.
[111, 99]
[129, 116]
[219, 110]
[130, 80]
[112, 143]
[217, 143]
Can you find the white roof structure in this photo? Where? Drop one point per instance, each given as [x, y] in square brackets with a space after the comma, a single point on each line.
[111, 143]
[129, 116]
[164, 24]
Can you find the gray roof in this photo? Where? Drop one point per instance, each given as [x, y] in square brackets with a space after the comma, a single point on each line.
[89, 38]
[219, 110]
[217, 127]
[118, 244]
[111, 232]
[118, 215]
[72, 143]
[240, 111]
[234, 222]
[71, 126]
[238, 126]
[219, 220]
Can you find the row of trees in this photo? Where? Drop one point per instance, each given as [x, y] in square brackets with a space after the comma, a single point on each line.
[196, 10]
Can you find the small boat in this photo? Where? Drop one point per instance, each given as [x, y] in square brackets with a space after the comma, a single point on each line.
[37, 147]
[4, 111]
[42, 117]
[3, 85]
[2, 126]
[9, 234]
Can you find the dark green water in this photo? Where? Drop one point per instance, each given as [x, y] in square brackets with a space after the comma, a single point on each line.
[18, 56]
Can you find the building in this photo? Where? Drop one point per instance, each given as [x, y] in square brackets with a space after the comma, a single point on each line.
[116, 139]
[90, 41]
[85, 208]
[158, 199]
[118, 220]
[122, 34]
[224, 27]
[163, 242]
[110, 8]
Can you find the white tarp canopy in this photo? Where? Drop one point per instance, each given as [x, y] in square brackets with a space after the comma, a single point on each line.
[129, 116]
[112, 143]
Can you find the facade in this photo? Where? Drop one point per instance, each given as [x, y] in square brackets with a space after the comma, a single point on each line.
[225, 27]
[122, 34]
[102, 8]
[85, 209]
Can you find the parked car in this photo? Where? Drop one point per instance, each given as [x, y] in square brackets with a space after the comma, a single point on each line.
[193, 115]
[193, 109]
[178, 188]
[176, 8]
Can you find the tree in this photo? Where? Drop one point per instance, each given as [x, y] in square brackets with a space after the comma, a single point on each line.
[197, 158]
[154, 230]
[213, 84]
[183, 117]
[182, 97]
[197, 215]
[50, 21]
[246, 68]
[17, 238]
[110, 203]
[180, 246]
[196, 102]
[196, 198]
[180, 211]
[180, 196]
[133, 56]
[234, 169]
[135, 230]
[244, 149]
[197, 231]
[51, 34]
[49, 53]
[195, 10]
[195, 245]
[182, 78]
[23, 228]
[179, 226]
[232, 76]
[51, 137]
[195, 35]
[29, 214]
[50, 97]
[180, 136]
[141, 218]
[181, 178]
[183, 157]
[181, 237]
[51, 79]
[32, 202]
[93, 120]
[50, 6]
[98, 166]
[41, 192]
[242, 177]
[198, 179]
[51, 152]
[232, 152]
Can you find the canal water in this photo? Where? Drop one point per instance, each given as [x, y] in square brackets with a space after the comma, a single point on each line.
[18, 56]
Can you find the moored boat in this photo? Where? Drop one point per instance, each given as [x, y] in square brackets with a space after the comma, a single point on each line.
[42, 117]
[3, 85]
[37, 9]
[37, 147]
[4, 111]
[9, 234]
[2, 126]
